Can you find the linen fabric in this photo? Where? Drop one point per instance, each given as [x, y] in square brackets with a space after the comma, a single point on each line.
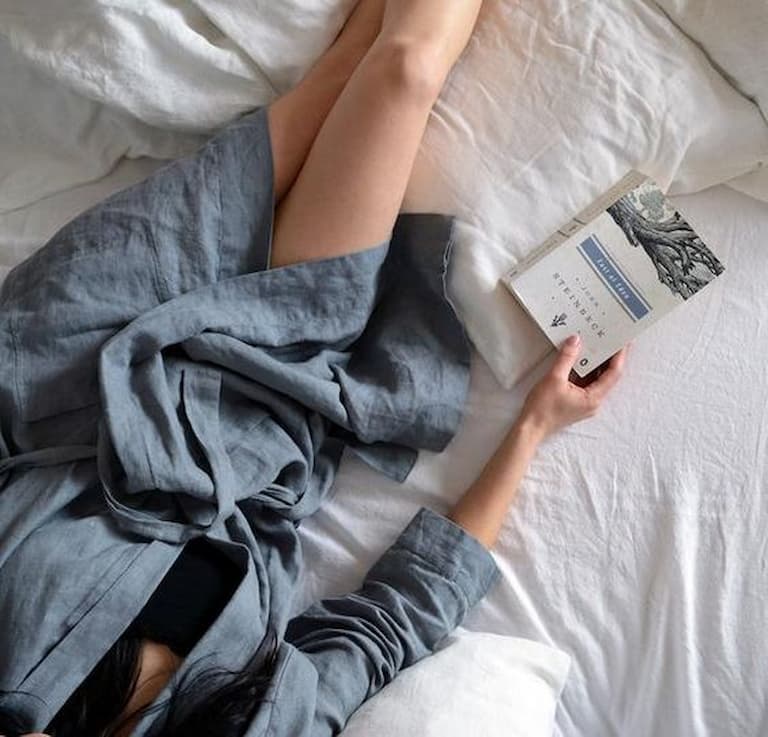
[550, 104]
[163, 383]
[656, 503]
[732, 35]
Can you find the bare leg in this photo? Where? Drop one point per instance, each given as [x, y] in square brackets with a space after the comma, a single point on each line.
[348, 193]
[296, 117]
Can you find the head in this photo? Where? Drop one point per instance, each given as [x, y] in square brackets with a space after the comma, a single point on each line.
[211, 702]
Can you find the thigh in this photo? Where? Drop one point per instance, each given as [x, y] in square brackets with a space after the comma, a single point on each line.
[349, 191]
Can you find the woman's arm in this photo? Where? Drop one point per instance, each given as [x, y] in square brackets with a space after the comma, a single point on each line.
[417, 592]
[552, 404]
[438, 568]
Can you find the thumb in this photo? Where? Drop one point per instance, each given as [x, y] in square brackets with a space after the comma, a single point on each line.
[569, 352]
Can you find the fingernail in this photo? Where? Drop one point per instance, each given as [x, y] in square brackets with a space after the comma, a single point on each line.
[573, 340]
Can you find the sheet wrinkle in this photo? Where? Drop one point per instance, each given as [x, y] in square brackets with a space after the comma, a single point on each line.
[560, 51]
[646, 443]
[207, 29]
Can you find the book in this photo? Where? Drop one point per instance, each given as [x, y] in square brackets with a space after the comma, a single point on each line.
[613, 270]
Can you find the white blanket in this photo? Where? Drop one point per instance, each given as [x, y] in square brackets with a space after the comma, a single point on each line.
[550, 104]
[638, 541]
[637, 544]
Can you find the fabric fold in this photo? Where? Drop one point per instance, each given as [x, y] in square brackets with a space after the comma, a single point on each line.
[202, 377]
[351, 347]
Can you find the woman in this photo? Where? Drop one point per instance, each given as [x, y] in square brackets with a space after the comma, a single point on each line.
[186, 362]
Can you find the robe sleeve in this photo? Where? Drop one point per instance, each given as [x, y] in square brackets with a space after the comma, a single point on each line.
[417, 593]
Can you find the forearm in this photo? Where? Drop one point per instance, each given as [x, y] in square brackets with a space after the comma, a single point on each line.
[551, 405]
[483, 507]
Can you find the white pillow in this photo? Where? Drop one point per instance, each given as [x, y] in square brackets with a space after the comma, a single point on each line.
[89, 81]
[475, 684]
[754, 184]
[733, 35]
[552, 102]
[283, 38]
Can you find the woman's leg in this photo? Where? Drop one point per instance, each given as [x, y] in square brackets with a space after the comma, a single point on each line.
[296, 117]
[348, 193]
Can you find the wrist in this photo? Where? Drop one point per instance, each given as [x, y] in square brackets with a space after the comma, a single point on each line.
[528, 430]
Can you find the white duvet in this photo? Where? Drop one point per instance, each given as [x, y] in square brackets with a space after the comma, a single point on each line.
[637, 545]
[551, 103]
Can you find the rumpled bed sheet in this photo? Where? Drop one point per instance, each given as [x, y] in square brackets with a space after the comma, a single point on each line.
[638, 540]
[550, 104]
[637, 544]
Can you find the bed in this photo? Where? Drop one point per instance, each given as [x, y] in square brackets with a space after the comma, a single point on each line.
[637, 543]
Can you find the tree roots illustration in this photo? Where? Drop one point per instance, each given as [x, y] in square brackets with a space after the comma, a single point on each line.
[676, 251]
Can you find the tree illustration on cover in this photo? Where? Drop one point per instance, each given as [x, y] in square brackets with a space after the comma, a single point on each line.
[683, 262]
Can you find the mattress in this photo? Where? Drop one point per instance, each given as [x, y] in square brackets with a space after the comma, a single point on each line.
[637, 541]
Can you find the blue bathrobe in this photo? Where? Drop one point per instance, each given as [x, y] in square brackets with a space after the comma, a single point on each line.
[159, 382]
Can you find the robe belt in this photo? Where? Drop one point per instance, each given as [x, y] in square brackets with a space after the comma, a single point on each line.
[47, 457]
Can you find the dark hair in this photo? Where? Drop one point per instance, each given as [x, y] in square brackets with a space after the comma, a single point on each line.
[212, 702]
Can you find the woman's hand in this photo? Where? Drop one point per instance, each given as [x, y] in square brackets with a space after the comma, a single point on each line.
[555, 402]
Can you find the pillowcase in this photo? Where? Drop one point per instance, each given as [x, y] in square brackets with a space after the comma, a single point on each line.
[551, 104]
[282, 38]
[733, 35]
[754, 184]
[475, 684]
[89, 81]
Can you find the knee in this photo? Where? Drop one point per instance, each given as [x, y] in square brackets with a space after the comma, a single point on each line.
[411, 68]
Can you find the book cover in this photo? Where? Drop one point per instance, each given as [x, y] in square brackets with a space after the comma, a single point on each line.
[613, 270]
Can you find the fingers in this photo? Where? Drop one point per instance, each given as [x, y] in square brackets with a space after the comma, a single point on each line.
[567, 356]
[608, 379]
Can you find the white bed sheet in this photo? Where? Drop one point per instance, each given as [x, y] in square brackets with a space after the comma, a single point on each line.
[547, 91]
[637, 544]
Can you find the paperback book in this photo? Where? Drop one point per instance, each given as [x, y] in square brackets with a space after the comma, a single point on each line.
[613, 270]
